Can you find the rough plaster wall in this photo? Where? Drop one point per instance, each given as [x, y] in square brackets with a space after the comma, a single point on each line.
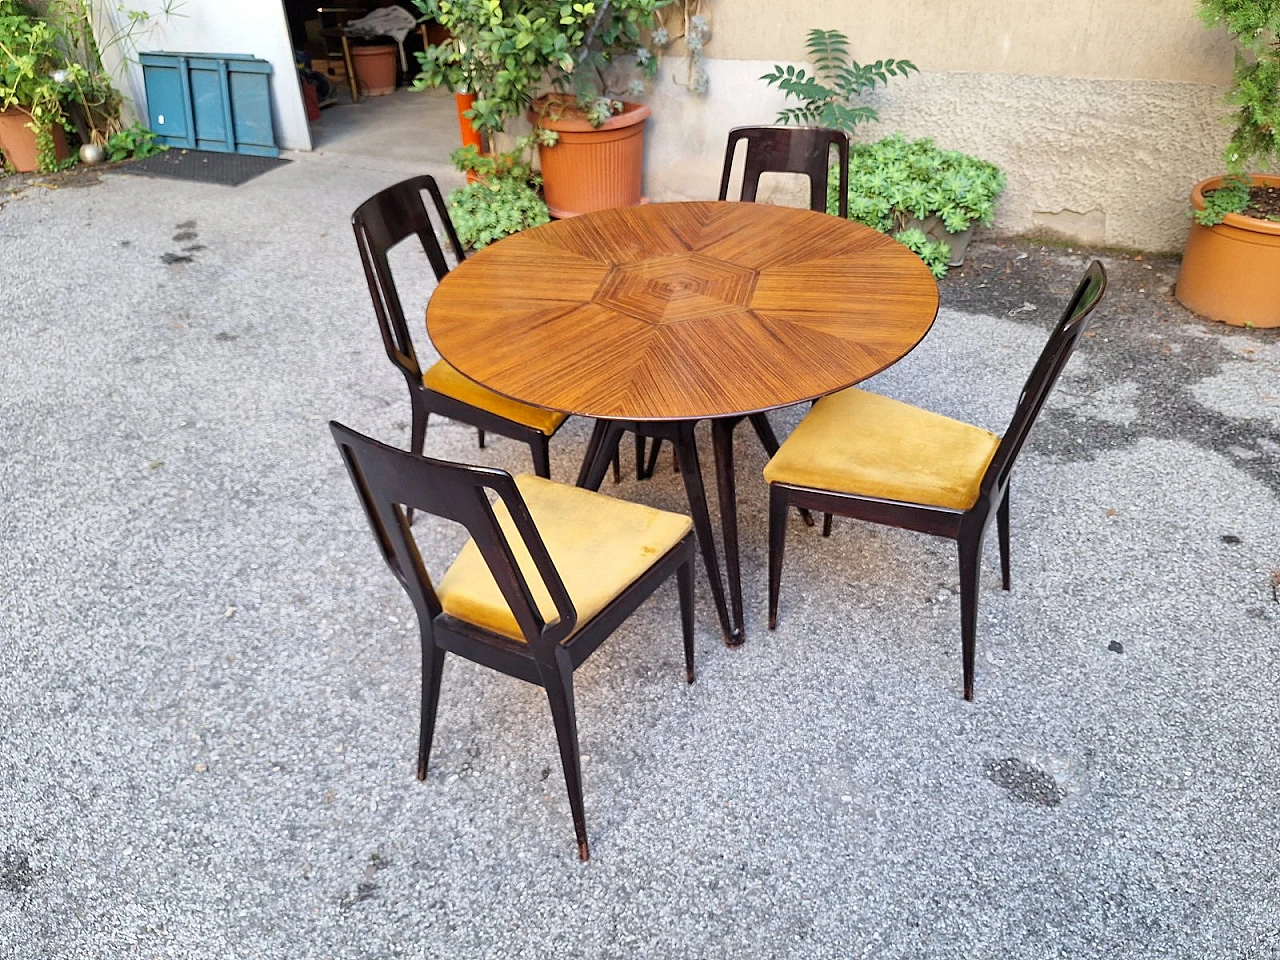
[1107, 39]
[1105, 162]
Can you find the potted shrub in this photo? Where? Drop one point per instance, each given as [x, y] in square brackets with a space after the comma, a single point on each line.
[930, 199]
[509, 55]
[1231, 264]
[36, 80]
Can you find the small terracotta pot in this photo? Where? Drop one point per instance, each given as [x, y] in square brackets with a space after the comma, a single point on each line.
[18, 141]
[1231, 271]
[375, 69]
[593, 168]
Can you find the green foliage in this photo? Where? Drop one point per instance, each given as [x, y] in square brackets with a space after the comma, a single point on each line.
[1255, 88]
[895, 180]
[1231, 197]
[828, 96]
[485, 211]
[504, 199]
[505, 51]
[934, 253]
[35, 75]
[133, 143]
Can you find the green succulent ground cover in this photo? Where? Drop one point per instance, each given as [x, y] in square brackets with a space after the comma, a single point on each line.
[895, 180]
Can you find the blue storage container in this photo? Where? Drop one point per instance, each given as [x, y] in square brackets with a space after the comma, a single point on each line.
[210, 101]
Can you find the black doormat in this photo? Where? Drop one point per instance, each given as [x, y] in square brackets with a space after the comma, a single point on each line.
[203, 166]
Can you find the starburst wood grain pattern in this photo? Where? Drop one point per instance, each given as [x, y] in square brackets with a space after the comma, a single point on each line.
[682, 311]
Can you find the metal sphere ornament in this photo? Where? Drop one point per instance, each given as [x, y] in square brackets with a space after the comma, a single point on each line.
[91, 154]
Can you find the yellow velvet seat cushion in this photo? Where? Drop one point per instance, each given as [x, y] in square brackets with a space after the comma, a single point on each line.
[599, 546]
[865, 444]
[443, 378]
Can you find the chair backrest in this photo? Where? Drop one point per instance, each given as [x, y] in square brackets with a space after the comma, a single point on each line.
[380, 223]
[388, 480]
[1044, 374]
[804, 150]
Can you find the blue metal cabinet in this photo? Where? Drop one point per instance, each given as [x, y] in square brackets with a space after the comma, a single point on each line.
[210, 101]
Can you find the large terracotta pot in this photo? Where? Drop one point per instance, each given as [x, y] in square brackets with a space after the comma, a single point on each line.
[18, 141]
[375, 69]
[1231, 271]
[593, 168]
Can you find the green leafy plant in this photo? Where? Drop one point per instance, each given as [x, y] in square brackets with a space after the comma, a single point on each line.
[895, 184]
[133, 143]
[35, 76]
[828, 96]
[503, 199]
[1254, 95]
[934, 253]
[506, 52]
[485, 211]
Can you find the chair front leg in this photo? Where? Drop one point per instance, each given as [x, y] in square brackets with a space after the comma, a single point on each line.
[432, 669]
[684, 582]
[557, 680]
[970, 549]
[777, 547]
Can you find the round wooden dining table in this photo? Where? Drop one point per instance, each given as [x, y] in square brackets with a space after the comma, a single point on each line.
[654, 317]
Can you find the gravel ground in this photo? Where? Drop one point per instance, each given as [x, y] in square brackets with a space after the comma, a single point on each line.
[209, 679]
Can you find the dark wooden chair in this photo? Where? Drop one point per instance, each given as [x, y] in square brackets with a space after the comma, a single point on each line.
[550, 571]
[804, 150]
[861, 455]
[381, 223]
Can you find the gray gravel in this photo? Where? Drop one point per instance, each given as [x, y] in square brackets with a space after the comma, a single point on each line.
[209, 680]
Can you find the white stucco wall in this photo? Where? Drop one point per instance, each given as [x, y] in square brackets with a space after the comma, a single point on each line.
[255, 27]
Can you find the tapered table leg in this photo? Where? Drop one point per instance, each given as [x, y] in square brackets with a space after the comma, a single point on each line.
[727, 487]
[589, 460]
[691, 472]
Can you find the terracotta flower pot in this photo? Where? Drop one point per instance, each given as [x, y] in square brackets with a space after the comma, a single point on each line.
[375, 69]
[593, 168]
[1231, 271]
[18, 141]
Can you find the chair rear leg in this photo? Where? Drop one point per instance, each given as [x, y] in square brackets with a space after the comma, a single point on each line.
[432, 668]
[777, 547]
[1002, 528]
[558, 682]
[617, 464]
[970, 550]
[480, 437]
[640, 445]
[826, 524]
[684, 581]
[539, 446]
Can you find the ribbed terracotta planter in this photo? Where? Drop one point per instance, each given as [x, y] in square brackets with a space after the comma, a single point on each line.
[375, 69]
[593, 168]
[1231, 271]
[18, 141]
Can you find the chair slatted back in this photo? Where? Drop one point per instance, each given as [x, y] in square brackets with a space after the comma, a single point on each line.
[382, 222]
[805, 150]
[388, 480]
[1056, 353]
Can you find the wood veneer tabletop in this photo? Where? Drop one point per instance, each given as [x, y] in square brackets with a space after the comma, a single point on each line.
[681, 311]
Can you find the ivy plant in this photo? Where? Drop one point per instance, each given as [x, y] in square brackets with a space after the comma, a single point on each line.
[829, 96]
[894, 181]
[1254, 96]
